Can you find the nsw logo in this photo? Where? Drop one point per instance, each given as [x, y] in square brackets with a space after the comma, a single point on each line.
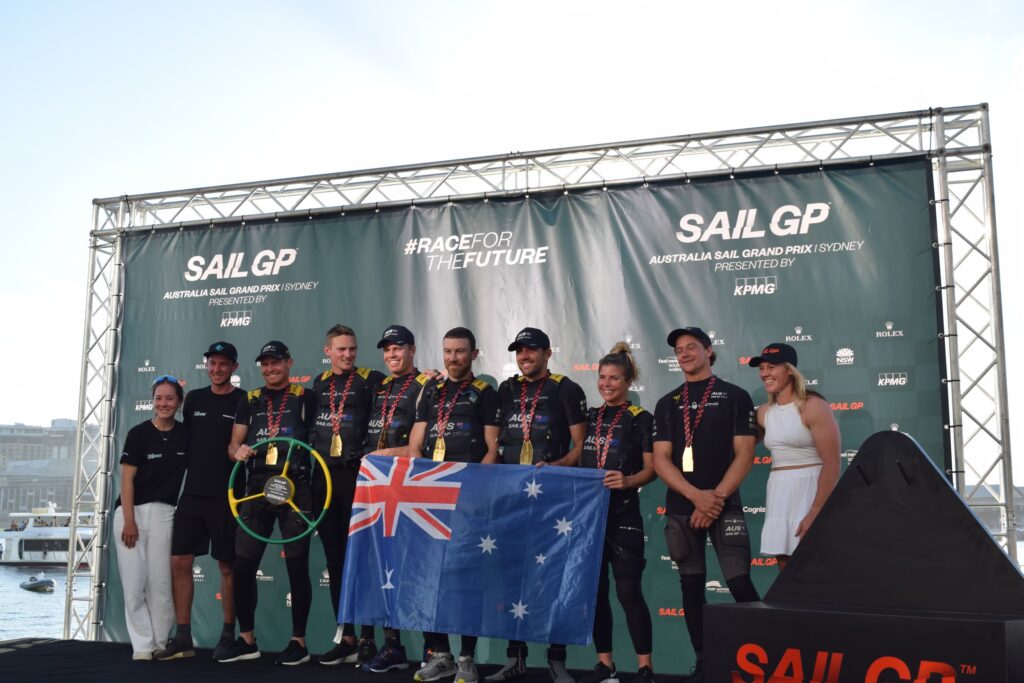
[755, 286]
[236, 318]
[844, 356]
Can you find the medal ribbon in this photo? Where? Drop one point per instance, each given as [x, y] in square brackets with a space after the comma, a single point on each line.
[700, 409]
[602, 448]
[528, 420]
[337, 415]
[388, 414]
[442, 422]
[274, 424]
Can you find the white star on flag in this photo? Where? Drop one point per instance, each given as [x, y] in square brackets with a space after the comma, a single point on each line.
[540, 558]
[563, 526]
[487, 545]
[387, 582]
[532, 489]
[518, 610]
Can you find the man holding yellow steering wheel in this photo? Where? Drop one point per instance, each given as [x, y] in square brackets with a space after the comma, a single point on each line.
[279, 409]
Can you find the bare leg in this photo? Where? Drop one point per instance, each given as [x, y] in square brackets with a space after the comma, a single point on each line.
[182, 587]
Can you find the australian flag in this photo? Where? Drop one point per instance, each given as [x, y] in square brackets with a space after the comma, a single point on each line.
[502, 551]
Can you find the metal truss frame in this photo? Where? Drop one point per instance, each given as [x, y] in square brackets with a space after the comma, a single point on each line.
[956, 139]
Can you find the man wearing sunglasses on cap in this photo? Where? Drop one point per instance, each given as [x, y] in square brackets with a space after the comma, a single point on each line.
[202, 520]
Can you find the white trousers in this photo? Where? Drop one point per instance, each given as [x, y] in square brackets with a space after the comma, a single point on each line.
[146, 576]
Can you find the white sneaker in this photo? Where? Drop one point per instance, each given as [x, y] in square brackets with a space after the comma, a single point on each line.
[142, 656]
[441, 665]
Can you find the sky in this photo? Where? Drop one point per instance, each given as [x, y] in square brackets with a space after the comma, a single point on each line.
[107, 98]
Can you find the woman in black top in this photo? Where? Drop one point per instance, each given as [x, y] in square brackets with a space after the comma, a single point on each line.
[152, 466]
[620, 439]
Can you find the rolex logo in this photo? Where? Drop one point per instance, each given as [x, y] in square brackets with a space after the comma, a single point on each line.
[888, 325]
[798, 329]
[711, 333]
[895, 427]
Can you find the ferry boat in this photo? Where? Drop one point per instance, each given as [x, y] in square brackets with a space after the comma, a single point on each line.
[41, 537]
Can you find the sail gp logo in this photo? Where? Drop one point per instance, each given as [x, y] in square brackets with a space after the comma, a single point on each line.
[402, 490]
[235, 265]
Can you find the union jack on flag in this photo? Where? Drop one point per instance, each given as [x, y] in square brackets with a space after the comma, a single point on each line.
[501, 551]
[393, 489]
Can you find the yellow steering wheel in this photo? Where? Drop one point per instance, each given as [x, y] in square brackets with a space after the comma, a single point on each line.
[280, 490]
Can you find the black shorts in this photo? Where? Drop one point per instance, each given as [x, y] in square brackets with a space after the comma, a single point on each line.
[728, 535]
[204, 524]
[259, 515]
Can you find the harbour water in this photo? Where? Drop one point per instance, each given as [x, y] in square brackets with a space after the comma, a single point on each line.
[28, 614]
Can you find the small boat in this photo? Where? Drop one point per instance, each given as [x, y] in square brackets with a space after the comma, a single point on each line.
[37, 585]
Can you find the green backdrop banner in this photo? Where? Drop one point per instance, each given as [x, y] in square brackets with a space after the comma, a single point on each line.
[838, 263]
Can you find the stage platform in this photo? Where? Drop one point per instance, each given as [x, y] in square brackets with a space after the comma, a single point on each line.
[77, 661]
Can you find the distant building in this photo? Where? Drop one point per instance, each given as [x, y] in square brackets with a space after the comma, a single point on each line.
[37, 466]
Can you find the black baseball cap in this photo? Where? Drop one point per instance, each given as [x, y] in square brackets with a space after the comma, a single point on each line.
[222, 348]
[274, 349]
[396, 334]
[776, 354]
[694, 332]
[532, 338]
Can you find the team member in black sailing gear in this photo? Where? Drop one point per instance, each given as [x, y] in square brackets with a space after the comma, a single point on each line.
[277, 409]
[202, 521]
[544, 422]
[391, 420]
[457, 419]
[703, 449]
[620, 440]
[344, 397]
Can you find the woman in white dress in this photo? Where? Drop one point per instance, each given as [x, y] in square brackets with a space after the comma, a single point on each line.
[802, 436]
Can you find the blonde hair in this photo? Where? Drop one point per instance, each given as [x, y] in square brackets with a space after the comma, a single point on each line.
[622, 356]
[799, 386]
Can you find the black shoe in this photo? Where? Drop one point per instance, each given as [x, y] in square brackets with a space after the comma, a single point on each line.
[366, 651]
[601, 674]
[240, 651]
[176, 649]
[342, 653]
[294, 654]
[645, 675]
[514, 669]
[223, 645]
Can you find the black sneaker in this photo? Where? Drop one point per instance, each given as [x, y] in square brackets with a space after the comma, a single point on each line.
[645, 675]
[342, 653]
[223, 645]
[601, 674]
[240, 651]
[365, 652]
[514, 669]
[294, 654]
[176, 649]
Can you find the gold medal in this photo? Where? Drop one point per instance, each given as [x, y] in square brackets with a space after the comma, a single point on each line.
[526, 454]
[382, 442]
[272, 455]
[439, 449]
[336, 446]
[688, 459]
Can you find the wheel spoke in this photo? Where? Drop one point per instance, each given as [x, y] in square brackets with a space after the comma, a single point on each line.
[252, 497]
[305, 519]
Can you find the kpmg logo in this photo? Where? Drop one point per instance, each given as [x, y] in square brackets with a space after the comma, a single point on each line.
[714, 340]
[235, 318]
[844, 356]
[799, 336]
[146, 367]
[889, 332]
[235, 265]
[144, 406]
[755, 286]
[892, 379]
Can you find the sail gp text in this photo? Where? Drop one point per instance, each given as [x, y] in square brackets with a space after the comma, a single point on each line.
[479, 249]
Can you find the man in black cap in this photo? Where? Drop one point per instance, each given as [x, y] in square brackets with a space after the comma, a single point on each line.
[703, 448]
[279, 409]
[202, 519]
[344, 396]
[544, 422]
[391, 419]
